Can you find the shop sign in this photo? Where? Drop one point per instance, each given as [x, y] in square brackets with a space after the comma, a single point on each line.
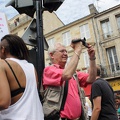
[115, 84]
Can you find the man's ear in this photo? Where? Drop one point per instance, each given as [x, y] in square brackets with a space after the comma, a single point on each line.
[51, 55]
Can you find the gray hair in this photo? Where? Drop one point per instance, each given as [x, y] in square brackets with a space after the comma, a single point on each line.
[53, 48]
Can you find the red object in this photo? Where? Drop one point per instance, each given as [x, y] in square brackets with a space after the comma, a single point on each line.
[87, 90]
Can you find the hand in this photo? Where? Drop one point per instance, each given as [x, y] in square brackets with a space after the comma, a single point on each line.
[76, 46]
[91, 51]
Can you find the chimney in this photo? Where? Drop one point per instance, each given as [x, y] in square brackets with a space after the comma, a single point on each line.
[92, 9]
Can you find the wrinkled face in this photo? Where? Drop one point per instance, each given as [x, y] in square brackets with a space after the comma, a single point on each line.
[59, 56]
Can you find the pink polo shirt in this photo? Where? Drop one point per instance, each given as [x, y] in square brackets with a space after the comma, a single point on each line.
[52, 76]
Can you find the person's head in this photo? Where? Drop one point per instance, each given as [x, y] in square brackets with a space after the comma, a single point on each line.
[58, 54]
[13, 46]
[117, 99]
[98, 70]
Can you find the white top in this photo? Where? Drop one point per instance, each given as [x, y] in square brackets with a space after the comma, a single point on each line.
[28, 107]
[89, 109]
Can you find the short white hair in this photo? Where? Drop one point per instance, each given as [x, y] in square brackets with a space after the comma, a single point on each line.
[53, 48]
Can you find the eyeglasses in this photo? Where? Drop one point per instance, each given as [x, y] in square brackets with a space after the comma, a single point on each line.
[62, 51]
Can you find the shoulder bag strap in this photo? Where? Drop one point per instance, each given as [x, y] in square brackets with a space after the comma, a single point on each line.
[79, 88]
[82, 98]
[64, 95]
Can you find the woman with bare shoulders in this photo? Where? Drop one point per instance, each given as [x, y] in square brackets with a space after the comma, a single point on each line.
[19, 99]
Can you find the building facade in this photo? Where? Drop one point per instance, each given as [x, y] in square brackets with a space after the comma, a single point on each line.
[19, 24]
[107, 28]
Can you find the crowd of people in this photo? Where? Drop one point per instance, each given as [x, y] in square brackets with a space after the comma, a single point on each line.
[19, 98]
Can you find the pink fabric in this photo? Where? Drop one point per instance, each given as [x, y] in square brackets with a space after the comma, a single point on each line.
[52, 76]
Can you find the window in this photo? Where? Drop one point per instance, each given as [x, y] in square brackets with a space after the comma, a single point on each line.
[118, 21]
[106, 28]
[51, 42]
[113, 59]
[66, 38]
[86, 59]
[25, 28]
[16, 21]
[84, 31]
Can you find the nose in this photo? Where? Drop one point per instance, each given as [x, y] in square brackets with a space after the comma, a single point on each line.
[65, 51]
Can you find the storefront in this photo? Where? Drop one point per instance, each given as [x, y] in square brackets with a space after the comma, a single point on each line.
[115, 83]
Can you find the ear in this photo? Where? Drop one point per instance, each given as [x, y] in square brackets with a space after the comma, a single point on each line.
[51, 55]
[2, 49]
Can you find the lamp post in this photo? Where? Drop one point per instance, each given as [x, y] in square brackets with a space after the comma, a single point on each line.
[40, 43]
[49, 5]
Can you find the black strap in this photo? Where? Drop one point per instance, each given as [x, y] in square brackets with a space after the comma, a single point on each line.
[13, 73]
[65, 119]
[65, 94]
[17, 91]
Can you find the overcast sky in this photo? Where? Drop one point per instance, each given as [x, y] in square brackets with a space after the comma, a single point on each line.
[70, 10]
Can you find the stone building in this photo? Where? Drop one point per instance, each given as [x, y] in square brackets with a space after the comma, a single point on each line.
[107, 30]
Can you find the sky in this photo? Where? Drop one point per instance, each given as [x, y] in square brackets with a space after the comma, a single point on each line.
[69, 11]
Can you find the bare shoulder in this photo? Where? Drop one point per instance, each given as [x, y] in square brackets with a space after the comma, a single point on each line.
[2, 68]
[2, 64]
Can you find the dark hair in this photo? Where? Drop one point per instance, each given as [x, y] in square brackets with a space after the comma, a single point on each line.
[16, 46]
[98, 70]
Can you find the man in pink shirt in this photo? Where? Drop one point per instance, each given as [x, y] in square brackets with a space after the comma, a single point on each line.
[59, 72]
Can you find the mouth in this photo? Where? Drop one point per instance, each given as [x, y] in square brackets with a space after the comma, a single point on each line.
[65, 58]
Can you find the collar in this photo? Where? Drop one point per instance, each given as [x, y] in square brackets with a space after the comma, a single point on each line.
[57, 66]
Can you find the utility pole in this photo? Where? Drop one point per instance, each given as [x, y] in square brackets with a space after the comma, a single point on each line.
[40, 43]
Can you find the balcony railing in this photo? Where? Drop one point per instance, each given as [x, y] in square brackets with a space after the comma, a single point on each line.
[112, 70]
[110, 35]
